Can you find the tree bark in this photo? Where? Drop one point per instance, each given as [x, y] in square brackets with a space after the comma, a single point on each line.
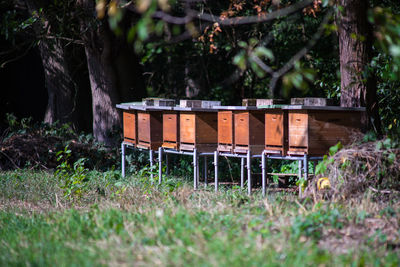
[58, 80]
[358, 86]
[109, 76]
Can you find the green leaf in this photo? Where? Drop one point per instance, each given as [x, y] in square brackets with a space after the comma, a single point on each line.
[335, 148]
[378, 146]
[240, 60]
[391, 158]
[242, 44]
[395, 50]
[262, 51]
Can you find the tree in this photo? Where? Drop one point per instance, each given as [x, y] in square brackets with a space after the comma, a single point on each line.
[358, 85]
[109, 84]
[58, 80]
[113, 69]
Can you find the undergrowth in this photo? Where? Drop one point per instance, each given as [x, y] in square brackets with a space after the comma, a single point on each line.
[132, 221]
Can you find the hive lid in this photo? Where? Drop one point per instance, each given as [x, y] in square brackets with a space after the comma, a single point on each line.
[184, 103]
[271, 106]
[158, 102]
[235, 107]
[194, 109]
[262, 102]
[332, 108]
[312, 101]
[128, 105]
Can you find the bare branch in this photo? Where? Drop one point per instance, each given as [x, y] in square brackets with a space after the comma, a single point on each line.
[262, 65]
[251, 19]
[193, 14]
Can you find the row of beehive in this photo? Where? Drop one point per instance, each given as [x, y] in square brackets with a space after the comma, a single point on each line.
[285, 130]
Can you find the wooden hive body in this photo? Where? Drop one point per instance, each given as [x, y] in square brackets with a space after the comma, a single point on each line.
[171, 129]
[149, 129]
[313, 132]
[276, 131]
[198, 129]
[129, 118]
[249, 131]
[226, 132]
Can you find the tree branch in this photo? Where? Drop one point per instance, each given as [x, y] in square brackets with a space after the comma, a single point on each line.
[251, 19]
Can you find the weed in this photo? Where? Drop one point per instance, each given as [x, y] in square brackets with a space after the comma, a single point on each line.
[73, 178]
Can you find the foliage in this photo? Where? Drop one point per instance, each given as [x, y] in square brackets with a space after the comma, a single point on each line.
[160, 226]
[73, 177]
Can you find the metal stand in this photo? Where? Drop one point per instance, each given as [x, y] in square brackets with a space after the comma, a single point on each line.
[242, 173]
[151, 158]
[205, 171]
[302, 160]
[123, 159]
[216, 171]
[264, 173]
[160, 152]
[248, 172]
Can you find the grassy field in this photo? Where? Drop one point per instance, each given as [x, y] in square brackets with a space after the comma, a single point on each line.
[114, 221]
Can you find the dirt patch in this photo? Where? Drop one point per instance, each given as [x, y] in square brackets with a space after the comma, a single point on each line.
[376, 232]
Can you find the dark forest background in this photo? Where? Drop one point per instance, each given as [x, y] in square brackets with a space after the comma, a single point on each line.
[72, 61]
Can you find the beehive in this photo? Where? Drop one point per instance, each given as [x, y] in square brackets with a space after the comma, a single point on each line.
[313, 130]
[249, 130]
[143, 125]
[171, 129]
[129, 119]
[198, 129]
[149, 129]
[225, 131]
[276, 131]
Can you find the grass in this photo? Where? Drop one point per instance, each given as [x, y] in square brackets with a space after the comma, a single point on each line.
[131, 222]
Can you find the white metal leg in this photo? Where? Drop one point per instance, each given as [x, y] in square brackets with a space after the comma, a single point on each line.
[216, 171]
[123, 159]
[160, 152]
[151, 155]
[205, 171]
[195, 167]
[264, 173]
[242, 173]
[249, 172]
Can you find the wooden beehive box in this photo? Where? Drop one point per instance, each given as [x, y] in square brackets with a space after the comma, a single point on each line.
[276, 131]
[171, 129]
[129, 119]
[149, 126]
[197, 129]
[226, 132]
[248, 130]
[313, 130]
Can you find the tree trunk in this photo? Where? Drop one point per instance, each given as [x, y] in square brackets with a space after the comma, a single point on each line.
[58, 81]
[109, 83]
[358, 87]
[104, 97]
